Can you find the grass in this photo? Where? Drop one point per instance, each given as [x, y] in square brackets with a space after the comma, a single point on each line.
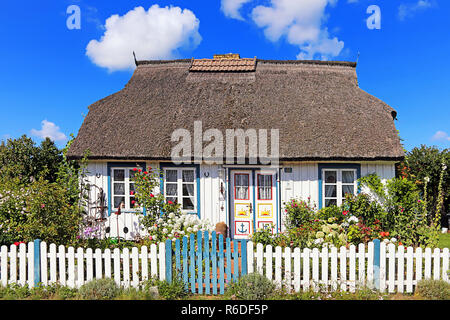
[444, 240]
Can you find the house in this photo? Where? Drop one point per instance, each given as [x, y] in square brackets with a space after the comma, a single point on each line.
[328, 133]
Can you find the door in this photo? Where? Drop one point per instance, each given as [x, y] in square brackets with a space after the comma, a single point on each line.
[253, 203]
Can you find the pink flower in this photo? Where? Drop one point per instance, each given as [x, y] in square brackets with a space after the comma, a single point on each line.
[42, 206]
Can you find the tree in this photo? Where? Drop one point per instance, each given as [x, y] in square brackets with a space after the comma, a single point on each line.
[21, 158]
[426, 163]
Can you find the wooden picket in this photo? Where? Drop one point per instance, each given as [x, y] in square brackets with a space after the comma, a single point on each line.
[208, 263]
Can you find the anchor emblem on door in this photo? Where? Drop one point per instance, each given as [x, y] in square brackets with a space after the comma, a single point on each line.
[242, 230]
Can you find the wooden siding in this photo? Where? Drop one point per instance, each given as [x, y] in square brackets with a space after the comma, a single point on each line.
[301, 183]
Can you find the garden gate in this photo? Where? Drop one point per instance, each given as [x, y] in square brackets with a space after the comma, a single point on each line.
[206, 265]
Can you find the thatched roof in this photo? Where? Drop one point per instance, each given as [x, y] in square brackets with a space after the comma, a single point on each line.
[320, 111]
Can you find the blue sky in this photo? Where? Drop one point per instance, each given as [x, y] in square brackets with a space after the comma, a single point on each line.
[50, 74]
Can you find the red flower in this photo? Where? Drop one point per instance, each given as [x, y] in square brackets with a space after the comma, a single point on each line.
[134, 169]
[169, 202]
[133, 202]
[345, 212]
[151, 195]
[145, 172]
[131, 193]
[140, 170]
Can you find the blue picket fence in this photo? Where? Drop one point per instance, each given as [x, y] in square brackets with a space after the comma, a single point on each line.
[206, 264]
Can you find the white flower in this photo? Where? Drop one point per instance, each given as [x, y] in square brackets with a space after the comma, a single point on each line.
[319, 240]
[427, 179]
[189, 229]
[171, 215]
[164, 230]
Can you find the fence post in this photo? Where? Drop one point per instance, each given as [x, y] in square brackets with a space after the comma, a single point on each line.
[169, 261]
[376, 263]
[37, 262]
[243, 257]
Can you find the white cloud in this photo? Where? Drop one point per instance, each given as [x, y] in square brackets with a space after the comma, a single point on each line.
[153, 34]
[301, 22]
[409, 10]
[231, 8]
[49, 129]
[441, 136]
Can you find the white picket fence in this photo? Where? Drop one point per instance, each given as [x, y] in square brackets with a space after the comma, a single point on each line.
[400, 268]
[347, 269]
[74, 268]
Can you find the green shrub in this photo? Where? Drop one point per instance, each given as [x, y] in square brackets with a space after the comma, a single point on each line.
[99, 289]
[298, 212]
[433, 289]
[331, 212]
[177, 289]
[263, 236]
[253, 286]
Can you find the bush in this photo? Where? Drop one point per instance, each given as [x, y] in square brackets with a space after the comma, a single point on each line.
[263, 236]
[99, 289]
[298, 212]
[253, 286]
[433, 289]
[177, 289]
[331, 212]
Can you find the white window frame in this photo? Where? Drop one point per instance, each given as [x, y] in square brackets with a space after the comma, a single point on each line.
[339, 198]
[180, 183]
[127, 195]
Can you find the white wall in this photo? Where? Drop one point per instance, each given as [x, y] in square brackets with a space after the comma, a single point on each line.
[301, 184]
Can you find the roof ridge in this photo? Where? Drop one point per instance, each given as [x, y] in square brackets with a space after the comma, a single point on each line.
[318, 62]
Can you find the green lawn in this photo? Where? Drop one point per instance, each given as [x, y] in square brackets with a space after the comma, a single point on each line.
[444, 240]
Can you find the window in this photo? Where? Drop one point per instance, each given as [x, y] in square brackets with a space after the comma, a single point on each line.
[241, 184]
[180, 187]
[123, 188]
[264, 187]
[336, 183]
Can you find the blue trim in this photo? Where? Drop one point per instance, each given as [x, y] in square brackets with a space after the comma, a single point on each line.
[277, 179]
[163, 165]
[120, 165]
[254, 200]
[321, 166]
